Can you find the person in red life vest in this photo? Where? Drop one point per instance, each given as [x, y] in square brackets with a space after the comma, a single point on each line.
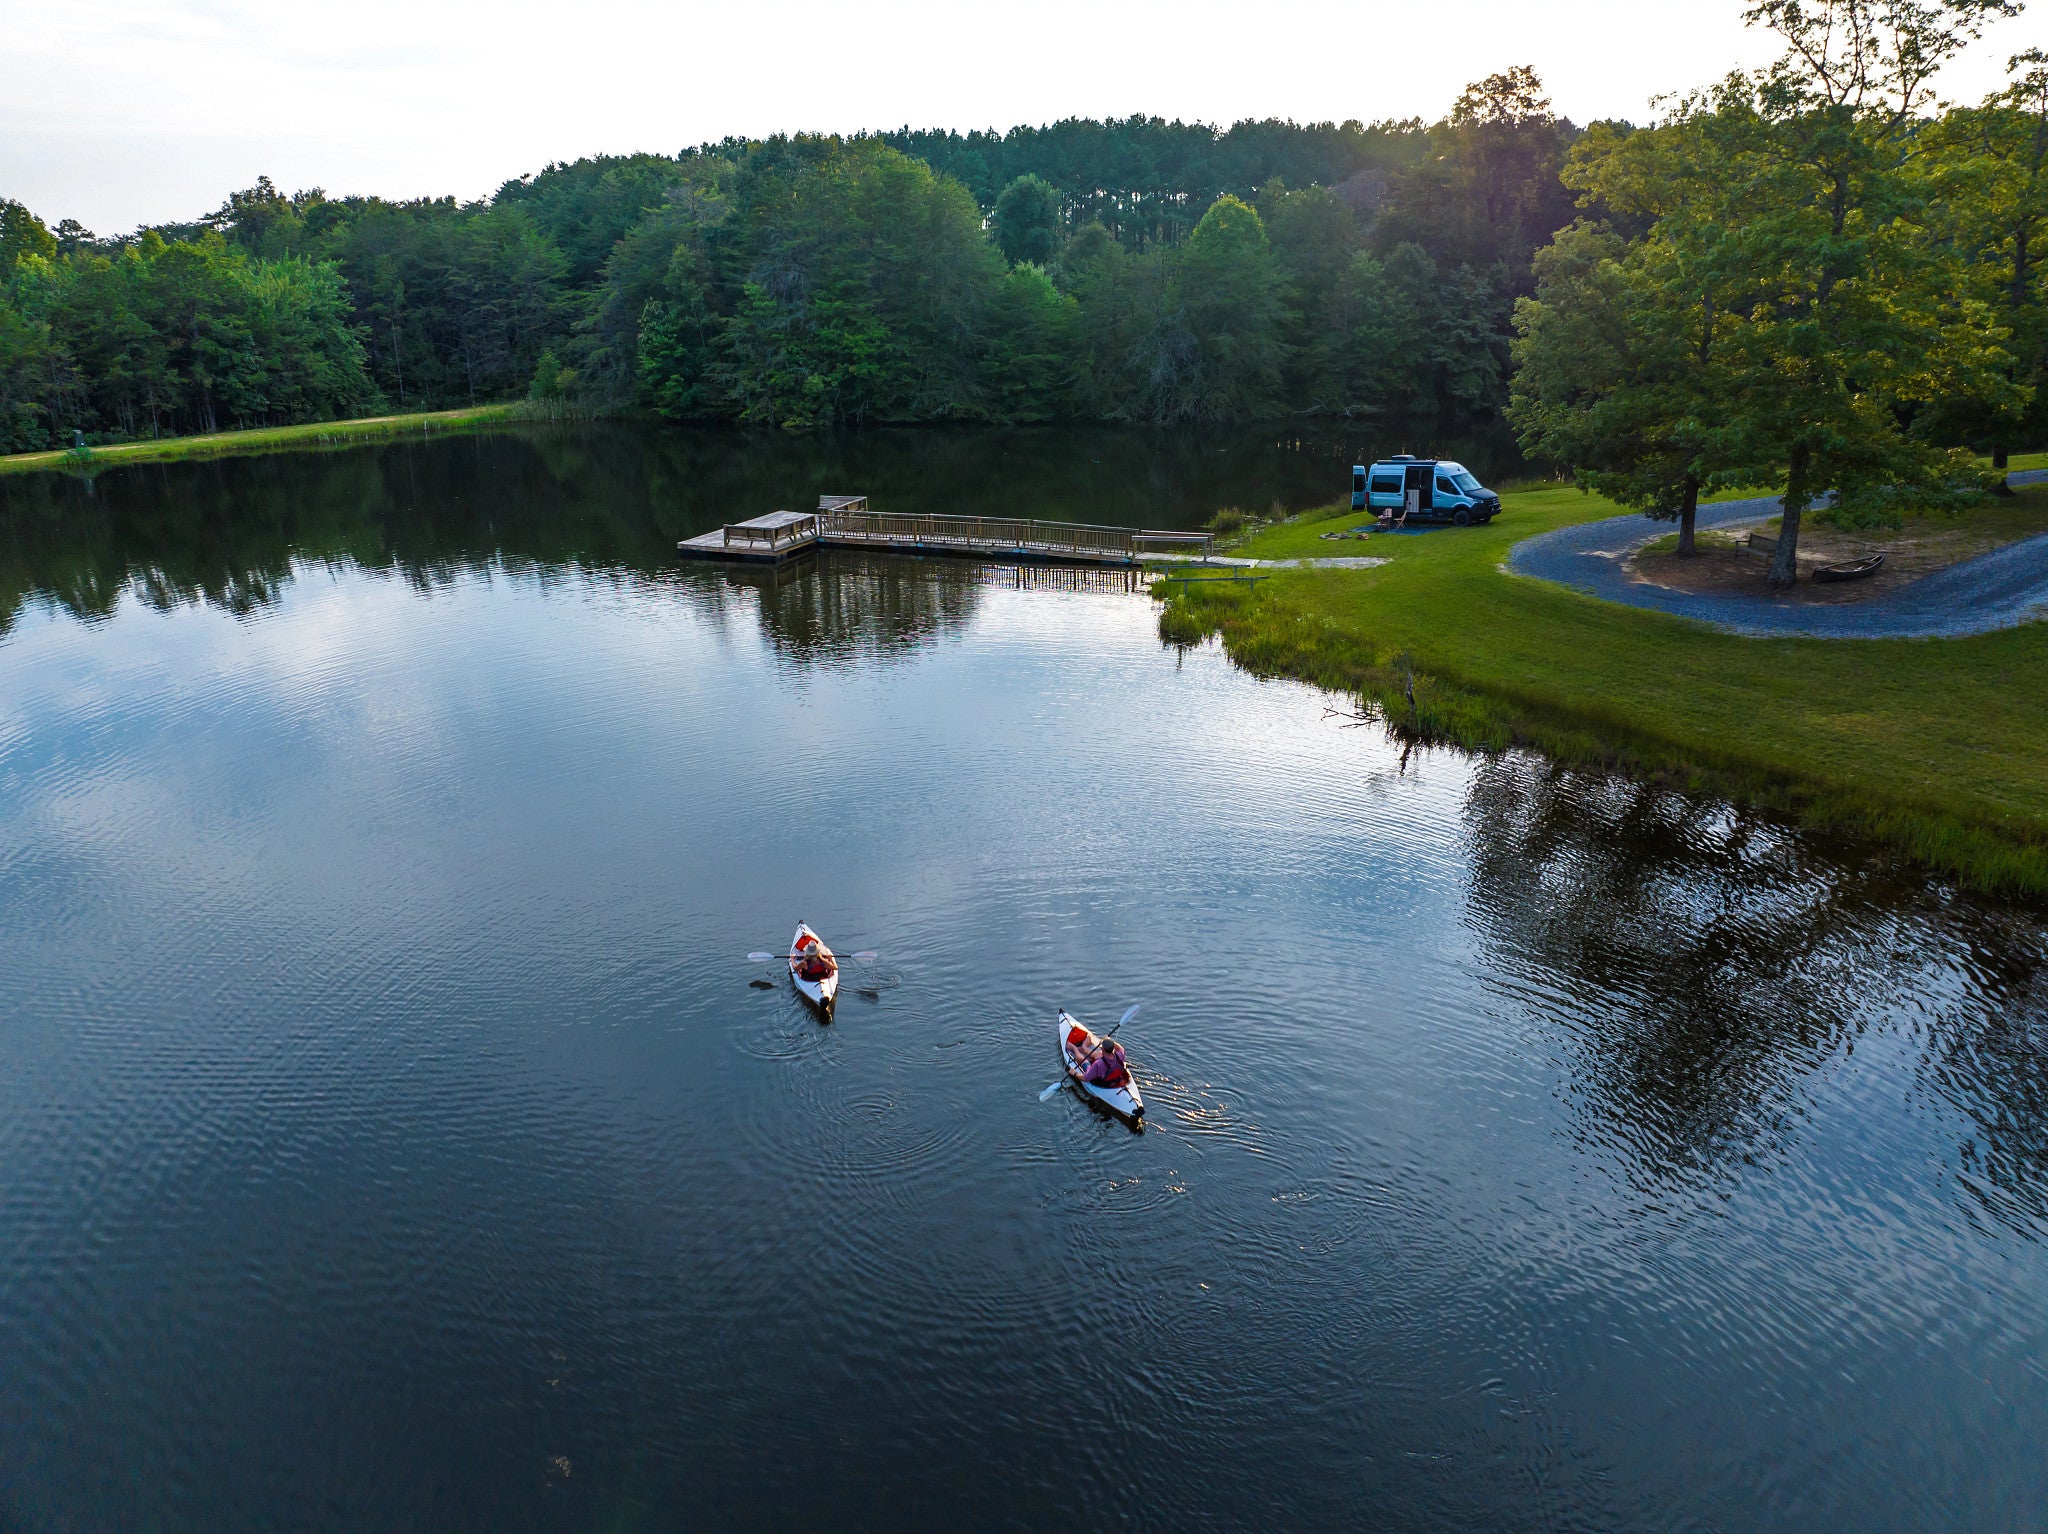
[813, 964]
[1106, 1067]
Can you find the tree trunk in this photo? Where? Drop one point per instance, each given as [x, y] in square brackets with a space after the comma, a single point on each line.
[1998, 457]
[1785, 563]
[1687, 514]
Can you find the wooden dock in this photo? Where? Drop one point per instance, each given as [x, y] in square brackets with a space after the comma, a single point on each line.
[845, 522]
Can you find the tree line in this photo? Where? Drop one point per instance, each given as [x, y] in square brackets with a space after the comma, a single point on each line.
[1133, 270]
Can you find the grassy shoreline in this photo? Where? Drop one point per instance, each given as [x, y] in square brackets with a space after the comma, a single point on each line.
[1936, 748]
[272, 439]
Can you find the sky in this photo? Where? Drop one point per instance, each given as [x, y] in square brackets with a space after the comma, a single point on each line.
[119, 113]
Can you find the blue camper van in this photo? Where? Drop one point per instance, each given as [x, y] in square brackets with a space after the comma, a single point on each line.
[1430, 489]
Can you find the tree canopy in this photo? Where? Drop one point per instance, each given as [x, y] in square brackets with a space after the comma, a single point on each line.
[1795, 278]
[1812, 267]
[1134, 270]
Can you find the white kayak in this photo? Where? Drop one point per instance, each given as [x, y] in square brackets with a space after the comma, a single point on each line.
[1122, 1099]
[819, 993]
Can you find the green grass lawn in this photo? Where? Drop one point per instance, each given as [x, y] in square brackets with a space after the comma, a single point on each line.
[1938, 746]
[268, 439]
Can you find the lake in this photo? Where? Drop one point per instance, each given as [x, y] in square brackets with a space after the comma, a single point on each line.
[391, 1135]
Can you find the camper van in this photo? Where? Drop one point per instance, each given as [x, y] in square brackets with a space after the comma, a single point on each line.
[1426, 489]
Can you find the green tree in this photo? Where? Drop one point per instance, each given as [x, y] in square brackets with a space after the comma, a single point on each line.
[1987, 202]
[1379, 326]
[1485, 192]
[1615, 372]
[73, 237]
[455, 303]
[660, 273]
[1027, 220]
[32, 367]
[1852, 321]
[1222, 330]
[1616, 357]
[1315, 238]
[588, 206]
[175, 336]
[1418, 341]
[1033, 352]
[827, 280]
[262, 220]
[22, 234]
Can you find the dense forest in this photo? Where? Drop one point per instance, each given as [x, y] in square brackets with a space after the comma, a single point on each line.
[1137, 270]
[1817, 272]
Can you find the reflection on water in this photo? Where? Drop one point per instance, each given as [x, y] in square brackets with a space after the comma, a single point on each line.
[839, 607]
[616, 498]
[391, 1134]
[1730, 958]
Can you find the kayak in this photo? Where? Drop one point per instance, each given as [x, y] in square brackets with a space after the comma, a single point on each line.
[1122, 1099]
[819, 993]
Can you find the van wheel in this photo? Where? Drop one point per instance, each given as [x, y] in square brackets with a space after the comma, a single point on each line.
[1462, 517]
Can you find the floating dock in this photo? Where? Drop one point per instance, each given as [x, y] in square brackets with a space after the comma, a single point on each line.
[845, 522]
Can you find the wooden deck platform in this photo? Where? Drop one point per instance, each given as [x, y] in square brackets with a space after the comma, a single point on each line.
[844, 522]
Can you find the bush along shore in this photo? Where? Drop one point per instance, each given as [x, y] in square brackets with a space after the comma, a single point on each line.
[278, 439]
[1931, 747]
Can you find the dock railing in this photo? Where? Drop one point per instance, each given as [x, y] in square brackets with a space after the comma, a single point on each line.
[992, 533]
[1199, 541]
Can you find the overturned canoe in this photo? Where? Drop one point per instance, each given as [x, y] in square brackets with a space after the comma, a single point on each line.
[1855, 570]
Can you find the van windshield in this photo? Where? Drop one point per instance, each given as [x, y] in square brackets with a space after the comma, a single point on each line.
[1464, 481]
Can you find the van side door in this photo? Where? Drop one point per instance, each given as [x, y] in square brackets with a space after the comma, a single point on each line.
[1419, 477]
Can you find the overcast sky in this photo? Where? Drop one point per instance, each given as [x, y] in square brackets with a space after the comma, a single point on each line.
[118, 113]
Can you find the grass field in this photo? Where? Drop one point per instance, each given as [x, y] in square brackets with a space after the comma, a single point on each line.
[269, 439]
[1938, 747]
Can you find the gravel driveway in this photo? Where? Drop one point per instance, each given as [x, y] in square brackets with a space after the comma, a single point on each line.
[1997, 590]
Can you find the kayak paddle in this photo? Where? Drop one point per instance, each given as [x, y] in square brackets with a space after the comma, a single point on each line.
[762, 958]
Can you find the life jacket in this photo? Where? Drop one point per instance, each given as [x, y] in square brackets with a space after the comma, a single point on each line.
[1110, 1064]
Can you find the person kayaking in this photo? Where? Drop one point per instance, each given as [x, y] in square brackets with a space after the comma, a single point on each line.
[1105, 1068]
[813, 963]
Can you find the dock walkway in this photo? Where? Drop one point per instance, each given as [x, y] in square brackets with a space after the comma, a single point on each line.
[845, 522]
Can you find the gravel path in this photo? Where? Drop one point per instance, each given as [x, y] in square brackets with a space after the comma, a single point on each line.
[2008, 586]
[1234, 562]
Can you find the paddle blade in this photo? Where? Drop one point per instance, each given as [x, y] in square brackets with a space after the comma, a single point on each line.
[865, 955]
[1042, 1096]
[1129, 1015]
[761, 958]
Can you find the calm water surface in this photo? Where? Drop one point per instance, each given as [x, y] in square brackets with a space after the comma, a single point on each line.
[390, 1136]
